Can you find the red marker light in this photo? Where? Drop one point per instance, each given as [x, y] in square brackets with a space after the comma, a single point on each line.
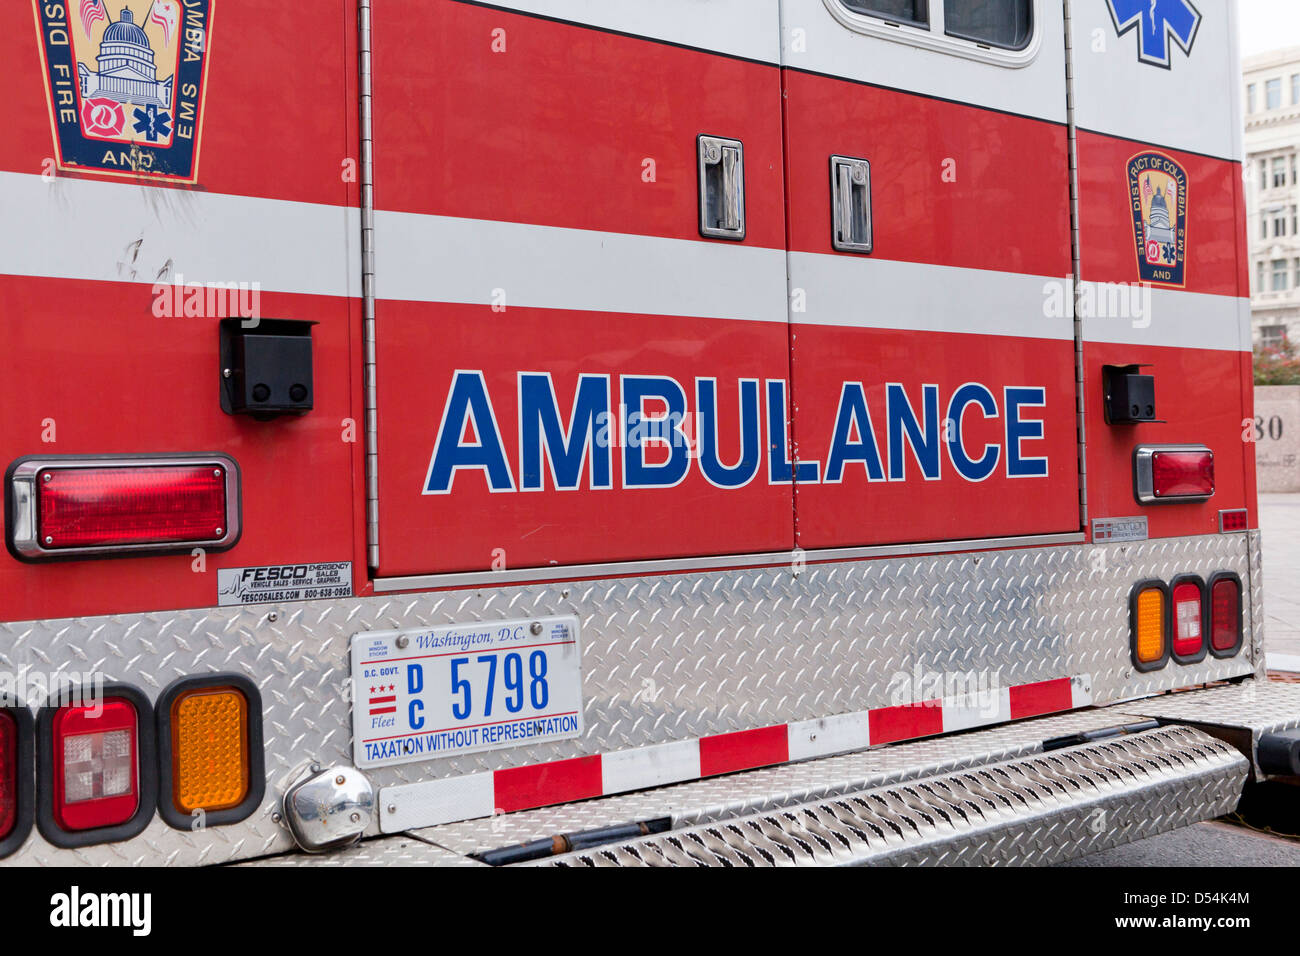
[1177, 474]
[1225, 615]
[64, 507]
[8, 774]
[1168, 474]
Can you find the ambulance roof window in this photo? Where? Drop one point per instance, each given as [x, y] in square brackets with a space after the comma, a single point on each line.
[916, 12]
[1008, 24]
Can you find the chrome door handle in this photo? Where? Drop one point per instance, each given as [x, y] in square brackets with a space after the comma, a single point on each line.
[722, 188]
[851, 198]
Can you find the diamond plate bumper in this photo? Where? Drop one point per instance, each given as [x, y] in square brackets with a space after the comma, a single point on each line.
[665, 657]
[1035, 810]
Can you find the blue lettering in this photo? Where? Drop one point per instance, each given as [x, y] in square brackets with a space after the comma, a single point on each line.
[468, 402]
[903, 426]
[780, 469]
[641, 430]
[1018, 431]
[969, 394]
[541, 434]
[853, 414]
[716, 473]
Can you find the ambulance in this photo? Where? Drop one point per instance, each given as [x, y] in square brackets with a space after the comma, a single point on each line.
[625, 433]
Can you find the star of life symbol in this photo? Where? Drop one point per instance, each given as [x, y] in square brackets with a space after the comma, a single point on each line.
[1160, 23]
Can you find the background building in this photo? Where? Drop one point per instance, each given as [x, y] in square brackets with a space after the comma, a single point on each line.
[1272, 111]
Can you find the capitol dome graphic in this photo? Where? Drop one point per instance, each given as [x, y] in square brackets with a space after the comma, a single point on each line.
[126, 70]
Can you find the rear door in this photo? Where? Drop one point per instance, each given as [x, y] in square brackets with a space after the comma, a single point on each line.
[1161, 208]
[933, 358]
[546, 298]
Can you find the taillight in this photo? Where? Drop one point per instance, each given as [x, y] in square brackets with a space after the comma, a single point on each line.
[210, 740]
[1187, 597]
[1225, 614]
[98, 779]
[1149, 625]
[96, 765]
[8, 774]
[1236, 519]
[1169, 474]
[64, 507]
[16, 784]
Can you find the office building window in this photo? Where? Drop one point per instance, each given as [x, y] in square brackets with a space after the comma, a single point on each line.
[1272, 336]
[1280, 275]
[1279, 172]
[1273, 94]
[1250, 98]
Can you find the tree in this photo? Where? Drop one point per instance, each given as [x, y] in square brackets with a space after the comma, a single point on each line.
[1277, 365]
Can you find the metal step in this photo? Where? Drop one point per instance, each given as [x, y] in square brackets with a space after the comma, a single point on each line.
[1033, 810]
[1242, 714]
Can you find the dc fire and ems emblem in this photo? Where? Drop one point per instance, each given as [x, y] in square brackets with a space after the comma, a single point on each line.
[125, 80]
[1158, 200]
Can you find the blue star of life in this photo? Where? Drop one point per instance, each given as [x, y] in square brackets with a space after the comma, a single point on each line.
[152, 122]
[1158, 21]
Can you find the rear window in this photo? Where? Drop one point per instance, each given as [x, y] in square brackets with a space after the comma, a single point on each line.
[1008, 24]
[900, 11]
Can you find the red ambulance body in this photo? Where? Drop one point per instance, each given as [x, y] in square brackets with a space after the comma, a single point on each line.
[431, 410]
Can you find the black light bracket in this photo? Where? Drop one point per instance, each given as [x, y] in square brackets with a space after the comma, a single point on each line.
[266, 367]
[1129, 396]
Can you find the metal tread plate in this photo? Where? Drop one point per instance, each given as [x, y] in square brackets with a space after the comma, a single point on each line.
[735, 795]
[1035, 810]
[665, 657]
[1252, 707]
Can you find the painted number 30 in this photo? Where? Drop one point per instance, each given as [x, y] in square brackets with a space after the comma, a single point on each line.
[512, 679]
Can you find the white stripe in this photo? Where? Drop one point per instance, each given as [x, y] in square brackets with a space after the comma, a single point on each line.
[748, 28]
[434, 802]
[977, 709]
[442, 259]
[873, 293]
[119, 232]
[1081, 691]
[1176, 319]
[647, 767]
[829, 735]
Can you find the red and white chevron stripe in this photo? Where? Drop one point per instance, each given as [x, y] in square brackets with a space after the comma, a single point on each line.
[435, 802]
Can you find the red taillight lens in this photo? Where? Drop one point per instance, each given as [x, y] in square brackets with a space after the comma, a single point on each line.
[1182, 474]
[8, 774]
[1225, 616]
[1189, 630]
[96, 765]
[102, 507]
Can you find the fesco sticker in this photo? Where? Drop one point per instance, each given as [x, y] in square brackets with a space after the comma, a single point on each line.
[284, 582]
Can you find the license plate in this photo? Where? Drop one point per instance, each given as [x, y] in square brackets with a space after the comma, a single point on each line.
[427, 693]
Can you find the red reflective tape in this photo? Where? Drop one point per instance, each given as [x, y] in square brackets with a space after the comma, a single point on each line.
[1048, 697]
[522, 788]
[907, 722]
[744, 750]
